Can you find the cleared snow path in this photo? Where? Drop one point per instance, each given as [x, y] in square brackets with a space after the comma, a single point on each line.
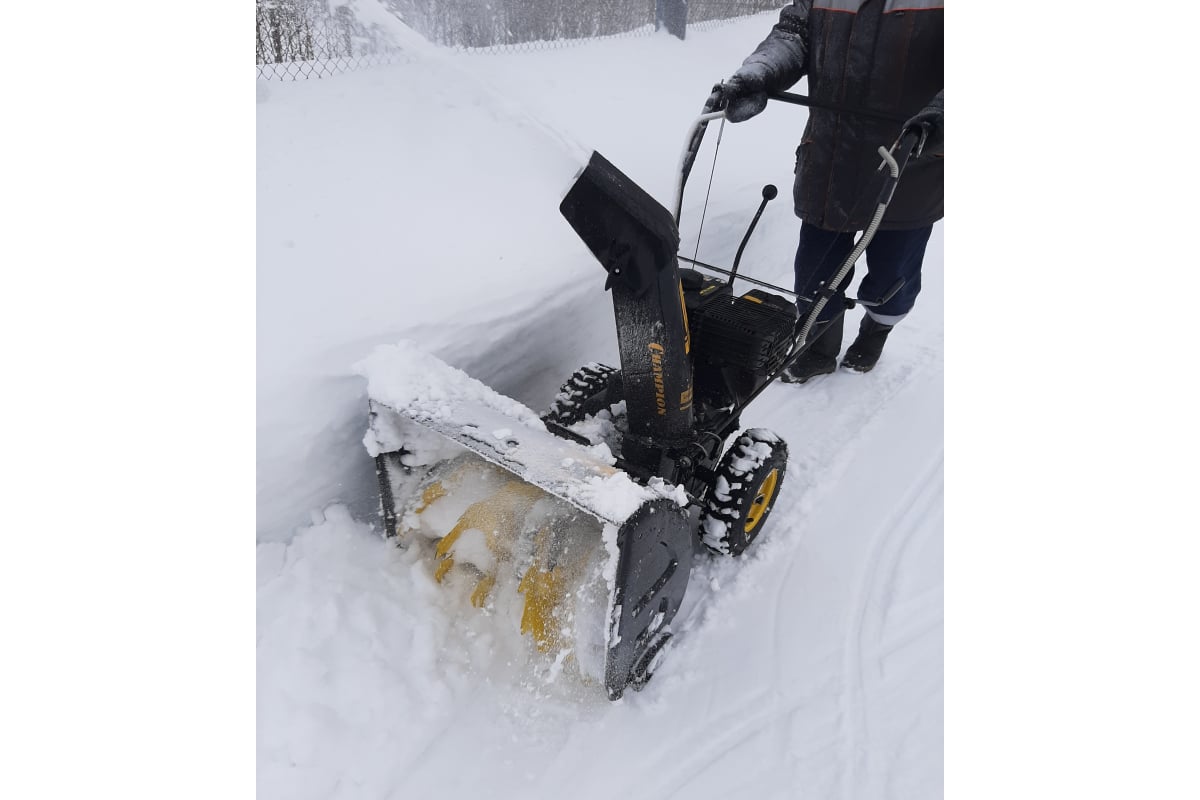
[812, 667]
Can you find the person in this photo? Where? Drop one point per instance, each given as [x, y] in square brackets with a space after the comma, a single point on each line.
[880, 63]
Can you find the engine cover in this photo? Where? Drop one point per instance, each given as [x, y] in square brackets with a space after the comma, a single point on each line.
[752, 332]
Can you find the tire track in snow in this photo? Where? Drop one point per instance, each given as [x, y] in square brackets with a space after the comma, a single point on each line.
[825, 456]
[691, 767]
[836, 452]
[872, 599]
[900, 635]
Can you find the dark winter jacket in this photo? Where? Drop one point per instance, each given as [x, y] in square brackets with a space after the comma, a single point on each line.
[884, 56]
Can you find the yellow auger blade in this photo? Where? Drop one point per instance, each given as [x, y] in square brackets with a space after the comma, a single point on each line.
[545, 586]
[433, 492]
[482, 590]
[498, 515]
[543, 592]
[443, 567]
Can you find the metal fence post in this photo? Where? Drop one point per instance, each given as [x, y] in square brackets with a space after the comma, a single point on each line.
[672, 15]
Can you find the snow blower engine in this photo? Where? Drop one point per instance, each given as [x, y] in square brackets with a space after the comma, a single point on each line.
[579, 526]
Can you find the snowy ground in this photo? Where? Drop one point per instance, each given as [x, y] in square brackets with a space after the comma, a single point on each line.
[419, 201]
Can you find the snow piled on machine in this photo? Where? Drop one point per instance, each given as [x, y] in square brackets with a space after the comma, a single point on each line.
[423, 388]
[404, 376]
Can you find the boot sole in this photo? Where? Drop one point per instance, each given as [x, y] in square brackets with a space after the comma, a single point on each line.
[801, 381]
[857, 368]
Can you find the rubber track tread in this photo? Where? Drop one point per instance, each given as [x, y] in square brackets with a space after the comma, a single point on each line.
[570, 405]
[754, 453]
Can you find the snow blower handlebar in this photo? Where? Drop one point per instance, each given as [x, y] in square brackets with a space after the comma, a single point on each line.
[894, 161]
[695, 134]
[802, 100]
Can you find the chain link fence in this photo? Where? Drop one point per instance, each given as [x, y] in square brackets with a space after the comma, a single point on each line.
[508, 26]
[308, 39]
[708, 14]
[298, 39]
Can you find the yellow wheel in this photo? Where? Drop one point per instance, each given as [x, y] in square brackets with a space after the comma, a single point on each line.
[743, 491]
[762, 500]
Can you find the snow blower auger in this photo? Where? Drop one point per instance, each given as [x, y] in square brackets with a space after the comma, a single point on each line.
[580, 526]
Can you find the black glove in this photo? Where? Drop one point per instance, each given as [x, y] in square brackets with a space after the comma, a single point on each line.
[742, 96]
[930, 122]
[778, 62]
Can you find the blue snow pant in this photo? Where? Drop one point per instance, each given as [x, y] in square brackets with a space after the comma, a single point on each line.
[891, 255]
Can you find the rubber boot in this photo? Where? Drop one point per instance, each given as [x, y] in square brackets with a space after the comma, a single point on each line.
[820, 358]
[868, 345]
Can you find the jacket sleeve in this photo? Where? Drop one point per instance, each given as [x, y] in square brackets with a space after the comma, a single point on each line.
[782, 58]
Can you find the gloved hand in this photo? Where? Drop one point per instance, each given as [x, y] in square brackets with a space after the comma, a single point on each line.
[742, 96]
[929, 120]
[778, 62]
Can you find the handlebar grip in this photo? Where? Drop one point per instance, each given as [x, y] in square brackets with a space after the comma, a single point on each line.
[789, 97]
[804, 100]
[908, 145]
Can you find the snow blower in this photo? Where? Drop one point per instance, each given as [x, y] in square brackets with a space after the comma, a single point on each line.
[581, 524]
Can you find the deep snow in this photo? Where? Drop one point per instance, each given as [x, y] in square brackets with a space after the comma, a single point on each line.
[419, 201]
